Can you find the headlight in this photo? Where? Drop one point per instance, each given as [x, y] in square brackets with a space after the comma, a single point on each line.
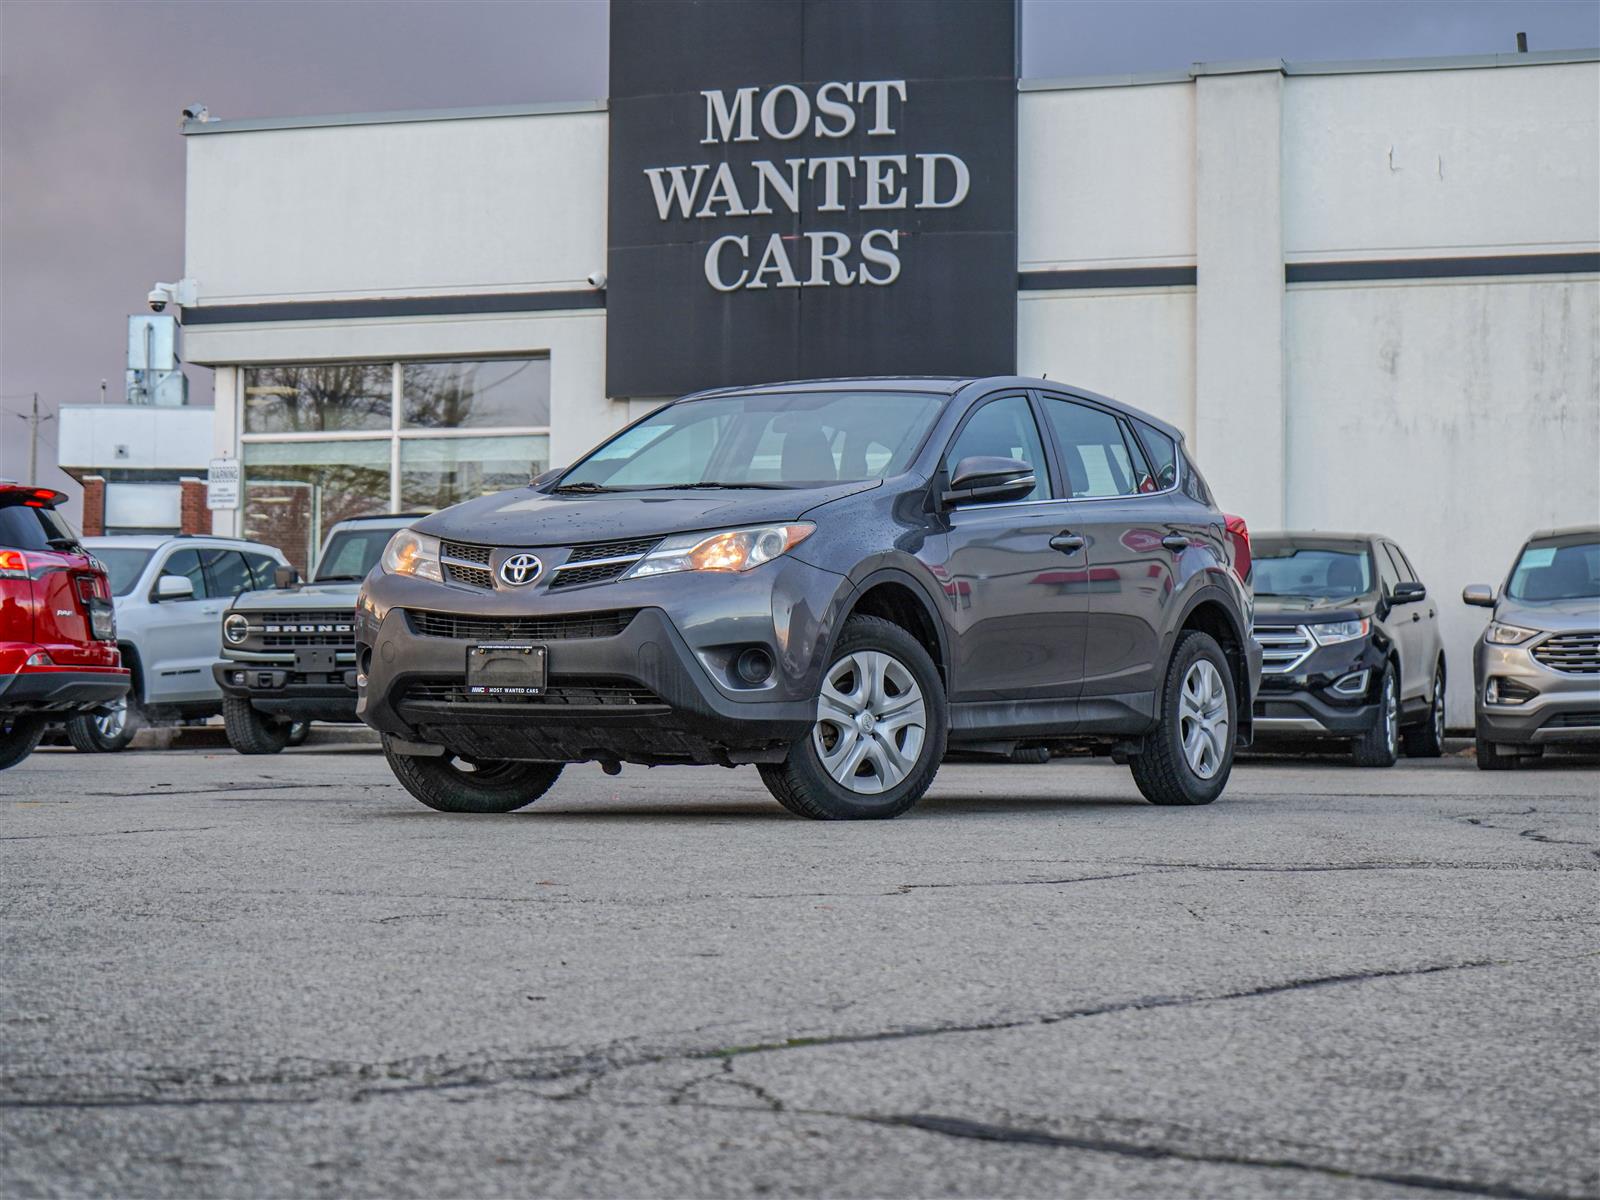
[1331, 632]
[1501, 634]
[727, 550]
[412, 553]
[236, 627]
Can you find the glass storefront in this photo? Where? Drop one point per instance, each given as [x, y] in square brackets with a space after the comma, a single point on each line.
[325, 441]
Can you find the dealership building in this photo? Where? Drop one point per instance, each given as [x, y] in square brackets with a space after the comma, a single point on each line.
[1369, 292]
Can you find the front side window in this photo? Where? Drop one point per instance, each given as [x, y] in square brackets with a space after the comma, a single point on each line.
[186, 565]
[1559, 569]
[1310, 572]
[766, 439]
[1387, 571]
[1094, 452]
[1003, 428]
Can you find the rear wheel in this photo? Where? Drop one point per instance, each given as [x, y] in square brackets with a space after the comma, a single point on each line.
[1427, 740]
[106, 730]
[18, 737]
[880, 731]
[249, 732]
[457, 785]
[1380, 745]
[1186, 760]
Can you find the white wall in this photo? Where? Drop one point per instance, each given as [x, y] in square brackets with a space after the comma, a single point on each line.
[173, 439]
[494, 204]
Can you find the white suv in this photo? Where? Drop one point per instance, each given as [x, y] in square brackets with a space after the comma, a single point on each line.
[170, 593]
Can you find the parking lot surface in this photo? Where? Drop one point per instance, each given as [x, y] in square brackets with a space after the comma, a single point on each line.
[226, 976]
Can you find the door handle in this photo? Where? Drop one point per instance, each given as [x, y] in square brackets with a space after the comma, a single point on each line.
[1416, 616]
[1067, 543]
[1175, 542]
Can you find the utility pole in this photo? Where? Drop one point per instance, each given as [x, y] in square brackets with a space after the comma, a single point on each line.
[34, 421]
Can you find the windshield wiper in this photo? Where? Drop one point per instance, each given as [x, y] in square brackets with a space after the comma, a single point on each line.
[337, 578]
[723, 484]
[585, 487]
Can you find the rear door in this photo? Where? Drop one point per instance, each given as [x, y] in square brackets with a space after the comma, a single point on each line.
[1017, 603]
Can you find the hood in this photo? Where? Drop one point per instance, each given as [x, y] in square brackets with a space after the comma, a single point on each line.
[529, 518]
[1553, 616]
[305, 595]
[1291, 610]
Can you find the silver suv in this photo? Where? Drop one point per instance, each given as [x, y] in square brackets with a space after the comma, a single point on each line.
[1537, 666]
[169, 592]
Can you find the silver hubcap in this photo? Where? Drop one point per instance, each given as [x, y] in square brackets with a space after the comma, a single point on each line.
[871, 722]
[1203, 719]
[114, 720]
[1438, 709]
[1391, 713]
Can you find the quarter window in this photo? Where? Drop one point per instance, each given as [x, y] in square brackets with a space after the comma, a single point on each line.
[1097, 459]
[1162, 452]
[1003, 428]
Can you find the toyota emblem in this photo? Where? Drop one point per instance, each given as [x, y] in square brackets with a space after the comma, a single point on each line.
[519, 570]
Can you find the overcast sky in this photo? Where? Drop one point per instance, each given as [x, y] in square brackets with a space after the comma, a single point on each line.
[91, 162]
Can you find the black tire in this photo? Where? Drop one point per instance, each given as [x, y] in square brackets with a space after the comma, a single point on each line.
[1380, 745]
[1492, 758]
[1033, 756]
[248, 731]
[1427, 739]
[18, 737]
[453, 785]
[802, 783]
[1162, 769]
[297, 733]
[103, 732]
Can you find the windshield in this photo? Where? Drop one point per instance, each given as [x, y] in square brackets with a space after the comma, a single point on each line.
[1568, 570]
[794, 439]
[123, 567]
[1315, 573]
[350, 554]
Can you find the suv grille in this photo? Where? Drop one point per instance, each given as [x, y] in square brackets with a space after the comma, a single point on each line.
[466, 564]
[572, 691]
[576, 625]
[1283, 647]
[1570, 653]
[601, 561]
[285, 629]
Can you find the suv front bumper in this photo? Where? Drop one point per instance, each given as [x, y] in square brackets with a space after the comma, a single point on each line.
[1566, 707]
[282, 692]
[1304, 702]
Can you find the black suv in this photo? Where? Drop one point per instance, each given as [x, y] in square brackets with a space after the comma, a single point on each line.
[1350, 645]
[831, 580]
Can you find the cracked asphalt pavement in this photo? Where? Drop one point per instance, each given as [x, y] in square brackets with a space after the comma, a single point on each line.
[227, 976]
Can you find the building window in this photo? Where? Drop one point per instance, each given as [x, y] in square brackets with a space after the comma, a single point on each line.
[325, 441]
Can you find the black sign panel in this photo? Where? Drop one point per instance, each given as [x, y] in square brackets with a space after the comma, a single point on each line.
[810, 188]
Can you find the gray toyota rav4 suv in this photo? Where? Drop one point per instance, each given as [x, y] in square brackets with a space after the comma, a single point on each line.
[830, 580]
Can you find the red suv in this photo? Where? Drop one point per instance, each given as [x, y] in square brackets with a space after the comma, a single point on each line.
[58, 638]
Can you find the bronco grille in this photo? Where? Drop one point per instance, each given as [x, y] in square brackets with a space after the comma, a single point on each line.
[499, 629]
[464, 564]
[1570, 653]
[285, 629]
[571, 691]
[1283, 647]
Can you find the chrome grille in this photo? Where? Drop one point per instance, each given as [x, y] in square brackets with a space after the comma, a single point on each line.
[1570, 653]
[600, 562]
[495, 629]
[633, 549]
[1283, 647]
[466, 564]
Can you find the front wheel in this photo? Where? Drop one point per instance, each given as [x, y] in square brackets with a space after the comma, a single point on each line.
[1188, 757]
[18, 737]
[880, 731]
[106, 730]
[456, 785]
[248, 731]
[1380, 745]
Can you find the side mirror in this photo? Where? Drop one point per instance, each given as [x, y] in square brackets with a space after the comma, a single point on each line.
[285, 577]
[983, 479]
[1409, 592]
[1479, 595]
[174, 587]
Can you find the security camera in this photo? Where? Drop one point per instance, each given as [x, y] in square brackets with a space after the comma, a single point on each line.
[157, 299]
[197, 112]
[180, 293]
[597, 279]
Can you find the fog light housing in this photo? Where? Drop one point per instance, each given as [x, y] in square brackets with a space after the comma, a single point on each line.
[1353, 684]
[1501, 690]
[754, 666]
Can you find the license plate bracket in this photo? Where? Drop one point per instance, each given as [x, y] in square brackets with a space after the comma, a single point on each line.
[506, 669]
[313, 660]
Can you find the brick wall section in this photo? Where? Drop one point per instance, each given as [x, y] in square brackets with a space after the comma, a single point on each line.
[94, 506]
[193, 515]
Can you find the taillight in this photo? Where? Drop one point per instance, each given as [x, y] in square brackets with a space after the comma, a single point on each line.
[91, 587]
[1239, 536]
[13, 564]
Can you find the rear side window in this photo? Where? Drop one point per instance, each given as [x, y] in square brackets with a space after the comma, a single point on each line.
[23, 527]
[1096, 456]
[1162, 452]
[1003, 428]
[187, 564]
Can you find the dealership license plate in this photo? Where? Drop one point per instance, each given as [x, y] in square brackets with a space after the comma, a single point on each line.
[505, 670]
